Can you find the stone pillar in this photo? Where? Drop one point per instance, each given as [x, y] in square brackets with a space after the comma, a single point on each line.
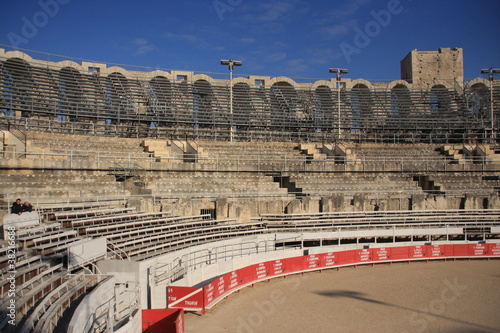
[493, 201]
[333, 204]
[141, 204]
[470, 201]
[418, 202]
[294, 207]
[359, 202]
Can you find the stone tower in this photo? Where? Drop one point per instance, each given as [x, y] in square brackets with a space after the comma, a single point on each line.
[424, 68]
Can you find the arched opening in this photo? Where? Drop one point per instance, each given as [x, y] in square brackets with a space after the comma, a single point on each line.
[160, 99]
[70, 94]
[203, 98]
[242, 105]
[439, 99]
[400, 105]
[324, 116]
[6, 93]
[283, 105]
[478, 99]
[361, 105]
[118, 97]
[17, 87]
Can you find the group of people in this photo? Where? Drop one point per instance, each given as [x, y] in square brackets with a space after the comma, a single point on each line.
[19, 208]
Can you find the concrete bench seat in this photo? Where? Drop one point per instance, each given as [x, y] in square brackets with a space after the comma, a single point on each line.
[161, 247]
[89, 221]
[86, 213]
[25, 262]
[23, 274]
[31, 297]
[133, 235]
[53, 237]
[48, 321]
[52, 297]
[41, 228]
[119, 227]
[54, 207]
[185, 233]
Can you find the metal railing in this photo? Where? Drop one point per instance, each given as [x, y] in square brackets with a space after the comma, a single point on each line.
[141, 162]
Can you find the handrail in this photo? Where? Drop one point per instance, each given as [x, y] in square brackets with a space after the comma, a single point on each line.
[116, 247]
[235, 158]
[265, 133]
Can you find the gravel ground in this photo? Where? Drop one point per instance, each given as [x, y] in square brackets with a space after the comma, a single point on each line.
[438, 296]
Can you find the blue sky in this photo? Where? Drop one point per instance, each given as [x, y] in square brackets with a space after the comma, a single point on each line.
[295, 38]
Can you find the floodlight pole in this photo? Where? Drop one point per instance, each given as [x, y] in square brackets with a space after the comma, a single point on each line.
[338, 71]
[231, 63]
[490, 72]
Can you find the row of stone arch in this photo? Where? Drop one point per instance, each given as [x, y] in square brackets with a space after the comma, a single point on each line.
[121, 92]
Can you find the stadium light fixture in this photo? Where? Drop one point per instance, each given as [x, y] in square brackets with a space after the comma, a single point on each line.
[231, 63]
[491, 72]
[339, 72]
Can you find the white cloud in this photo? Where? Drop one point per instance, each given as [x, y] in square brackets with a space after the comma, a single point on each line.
[247, 40]
[276, 56]
[323, 56]
[142, 46]
[275, 10]
[297, 66]
[182, 37]
[348, 9]
[339, 30]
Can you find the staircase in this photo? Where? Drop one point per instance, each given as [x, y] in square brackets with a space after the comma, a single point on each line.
[290, 186]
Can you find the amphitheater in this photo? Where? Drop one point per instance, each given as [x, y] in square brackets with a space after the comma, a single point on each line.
[158, 192]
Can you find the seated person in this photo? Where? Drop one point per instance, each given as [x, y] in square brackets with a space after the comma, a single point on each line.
[27, 207]
[17, 207]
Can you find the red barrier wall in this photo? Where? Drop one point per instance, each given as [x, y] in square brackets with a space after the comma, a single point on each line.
[191, 298]
[163, 321]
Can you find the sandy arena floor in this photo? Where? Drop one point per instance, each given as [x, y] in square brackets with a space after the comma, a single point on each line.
[452, 296]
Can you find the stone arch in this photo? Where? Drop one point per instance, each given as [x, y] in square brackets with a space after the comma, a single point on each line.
[281, 80]
[325, 83]
[71, 64]
[19, 55]
[399, 83]
[114, 70]
[158, 72]
[359, 83]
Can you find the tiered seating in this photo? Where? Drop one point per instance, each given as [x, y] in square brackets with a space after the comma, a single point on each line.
[80, 147]
[213, 185]
[144, 239]
[46, 314]
[262, 156]
[378, 219]
[402, 157]
[42, 187]
[43, 288]
[462, 184]
[24, 282]
[322, 184]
